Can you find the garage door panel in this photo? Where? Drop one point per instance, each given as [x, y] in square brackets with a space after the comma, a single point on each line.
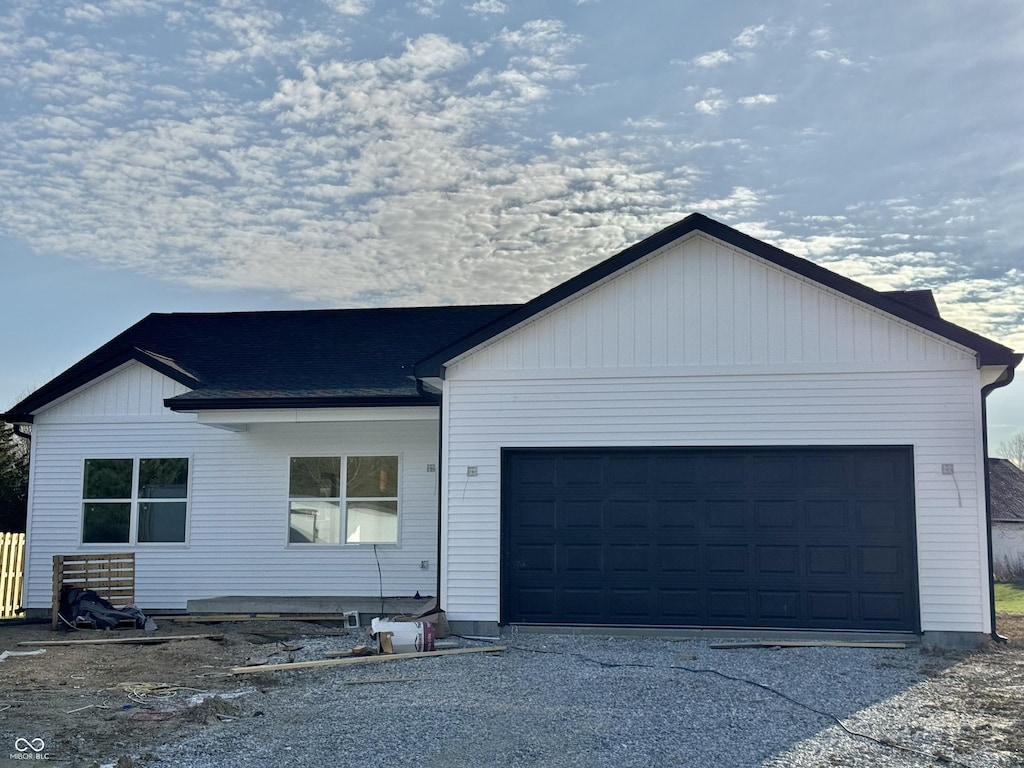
[636, 605]
[829, 561]
[831, 607]
[536, 558]
[584, 605]
[629, 559]
[880, 561]
[579, 473]
[729, 605]
[586, 559]
[881, 518]
[727, 560]
[775, 561]
[726, 513]
[678, 559]
[535, 514]
[753, 537]
[534, 472]
[775, 470]
[581, 514]
[676, 516]
[874, 472]
[675, 471]
[724, 469]
[823, 472]
[778, 606]
[826, 515]
[627, 472]
[882, 606]
[680, 606]
[628, 515]
[540, 604]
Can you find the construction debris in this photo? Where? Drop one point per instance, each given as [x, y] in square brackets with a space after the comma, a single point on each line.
[7, 654]
[124, 640]
[330, 661]
[801, 644]
[349, 618]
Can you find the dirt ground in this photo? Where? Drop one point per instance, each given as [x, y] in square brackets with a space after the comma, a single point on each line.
[93, 703]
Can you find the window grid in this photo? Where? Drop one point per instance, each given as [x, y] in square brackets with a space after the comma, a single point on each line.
[133, 499]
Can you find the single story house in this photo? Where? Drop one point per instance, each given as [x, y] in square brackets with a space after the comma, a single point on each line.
[1006, 486]
[701, 431]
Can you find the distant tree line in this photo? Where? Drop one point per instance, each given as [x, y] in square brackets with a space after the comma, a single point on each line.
[13, 480]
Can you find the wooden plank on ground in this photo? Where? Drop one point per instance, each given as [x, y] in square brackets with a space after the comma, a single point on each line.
[124, 640]
[219, 617]
[802, 644]
[329, 662]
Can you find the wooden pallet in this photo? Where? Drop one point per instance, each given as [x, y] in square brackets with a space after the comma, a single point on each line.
[111, 576]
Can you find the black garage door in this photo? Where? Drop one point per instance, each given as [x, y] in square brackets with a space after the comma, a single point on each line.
[815, 538]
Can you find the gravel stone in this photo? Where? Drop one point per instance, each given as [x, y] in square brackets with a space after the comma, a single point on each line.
[593, 701]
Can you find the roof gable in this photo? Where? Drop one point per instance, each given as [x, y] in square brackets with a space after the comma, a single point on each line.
[988, 351]
[700, 303]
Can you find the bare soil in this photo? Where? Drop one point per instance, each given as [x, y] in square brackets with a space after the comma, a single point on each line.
[94, 704]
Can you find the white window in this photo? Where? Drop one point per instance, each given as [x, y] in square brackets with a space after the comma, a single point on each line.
[350, 499]
[127, 501]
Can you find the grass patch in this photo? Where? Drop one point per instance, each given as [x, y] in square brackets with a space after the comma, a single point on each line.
[1009, 598]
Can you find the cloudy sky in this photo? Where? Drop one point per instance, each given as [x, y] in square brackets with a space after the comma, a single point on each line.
[193, 155]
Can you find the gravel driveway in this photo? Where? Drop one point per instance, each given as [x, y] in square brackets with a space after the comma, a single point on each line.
[553, 700]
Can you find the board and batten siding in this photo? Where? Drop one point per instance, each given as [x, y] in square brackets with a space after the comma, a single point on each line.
[238, 523]
[702, 344]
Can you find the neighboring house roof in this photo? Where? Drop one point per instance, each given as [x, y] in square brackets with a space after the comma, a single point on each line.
[903, 304]
[922, 300]
[278, 359]
[320, 358]
[1006, 490]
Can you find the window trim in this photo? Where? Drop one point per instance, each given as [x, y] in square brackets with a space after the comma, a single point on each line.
[133, 502]
[342, 500]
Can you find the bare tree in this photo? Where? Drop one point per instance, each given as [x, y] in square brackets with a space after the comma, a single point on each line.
[1013, 449]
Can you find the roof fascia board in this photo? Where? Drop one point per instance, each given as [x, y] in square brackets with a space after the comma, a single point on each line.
[184, 404]
[231, 419]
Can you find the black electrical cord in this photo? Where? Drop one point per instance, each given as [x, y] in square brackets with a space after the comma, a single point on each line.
[768, 688]
[380, 581]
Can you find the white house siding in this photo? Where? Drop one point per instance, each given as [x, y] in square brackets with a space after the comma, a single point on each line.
[703, 345]
[238, 524]
[1008, 545]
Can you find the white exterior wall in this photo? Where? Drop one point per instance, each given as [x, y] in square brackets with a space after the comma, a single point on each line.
[1007, 544]
[238, 521]
[705, 345]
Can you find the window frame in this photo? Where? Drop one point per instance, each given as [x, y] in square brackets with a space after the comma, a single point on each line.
[134, 501]
[343, 501]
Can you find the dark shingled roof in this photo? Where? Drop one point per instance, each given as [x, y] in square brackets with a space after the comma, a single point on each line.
[319, 358]
[922, 300]
[279, 359]
[1006, 489]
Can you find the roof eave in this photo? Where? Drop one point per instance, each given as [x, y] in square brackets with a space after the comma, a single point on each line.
[181, 404]
[61, 387]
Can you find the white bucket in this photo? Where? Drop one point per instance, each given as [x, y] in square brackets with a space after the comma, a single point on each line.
[406, 636]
